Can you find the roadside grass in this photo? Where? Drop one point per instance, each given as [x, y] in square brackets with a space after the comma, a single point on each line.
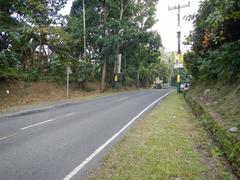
[168, 143]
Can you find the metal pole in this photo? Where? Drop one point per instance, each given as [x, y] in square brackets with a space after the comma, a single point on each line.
[178, 7]
[179, 31]
[179, 46]
[67, 85]
[84, 30]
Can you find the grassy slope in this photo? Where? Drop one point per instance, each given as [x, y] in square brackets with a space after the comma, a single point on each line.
[167, 144]
[223, 102]
[22, 95]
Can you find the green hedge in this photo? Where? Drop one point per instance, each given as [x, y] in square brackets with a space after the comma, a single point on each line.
[227, 143]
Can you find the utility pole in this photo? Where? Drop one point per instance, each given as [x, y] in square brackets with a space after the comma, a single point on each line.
[84, 30]
[68, 72]
[179, 7]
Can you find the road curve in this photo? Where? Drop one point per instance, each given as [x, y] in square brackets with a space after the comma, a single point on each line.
[64, 142]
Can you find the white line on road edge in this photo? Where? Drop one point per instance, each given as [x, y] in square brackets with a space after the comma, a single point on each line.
[47, 121]
[99, 149]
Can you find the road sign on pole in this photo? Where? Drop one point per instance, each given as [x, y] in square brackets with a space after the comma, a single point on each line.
[68, 72]
[178, 78]
[178, 83]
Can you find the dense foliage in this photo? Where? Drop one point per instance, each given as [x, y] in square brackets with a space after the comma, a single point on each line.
[37, 42]
[215, 41]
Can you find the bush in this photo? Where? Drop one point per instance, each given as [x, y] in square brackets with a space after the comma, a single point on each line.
[30, 75]
[9, 73]
[84, 72]
[129, 81]
[220, 64]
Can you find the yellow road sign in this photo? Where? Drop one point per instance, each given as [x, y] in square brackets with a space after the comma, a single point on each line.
[178, 78]
[115, 78]
[179, 58]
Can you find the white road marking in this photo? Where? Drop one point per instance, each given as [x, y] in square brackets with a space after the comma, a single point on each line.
[69, 114]
[37, 124]
[123, 98]
[99, 149]
[9, 136]
[47, 121]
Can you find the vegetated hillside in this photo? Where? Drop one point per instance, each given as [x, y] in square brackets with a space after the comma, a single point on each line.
[16, 95]
[222, 101]
[214, 61]
[19, 93]
[37, 42]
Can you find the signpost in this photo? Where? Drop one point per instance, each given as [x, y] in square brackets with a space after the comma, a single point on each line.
[68, 72]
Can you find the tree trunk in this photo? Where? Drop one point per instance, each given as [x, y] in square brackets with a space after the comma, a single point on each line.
[138, 81]
[118, 45]
[103, 79]
[104, 68]
[115, 63]
[138, 66]
[125, 59]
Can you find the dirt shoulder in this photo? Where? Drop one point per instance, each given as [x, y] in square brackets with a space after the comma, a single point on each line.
[17, 95]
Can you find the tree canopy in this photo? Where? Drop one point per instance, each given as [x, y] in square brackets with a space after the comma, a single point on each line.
[215, 43]
[38, 43]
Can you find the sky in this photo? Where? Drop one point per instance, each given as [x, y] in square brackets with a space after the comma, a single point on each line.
[167, 22]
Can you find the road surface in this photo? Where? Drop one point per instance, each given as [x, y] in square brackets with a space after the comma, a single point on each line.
[64, 142]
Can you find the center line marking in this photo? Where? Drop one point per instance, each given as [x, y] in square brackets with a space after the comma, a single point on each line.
[69, 114]
[9, 136]
[123, 98]
[37, 124]
[47, 121]
[99, 149]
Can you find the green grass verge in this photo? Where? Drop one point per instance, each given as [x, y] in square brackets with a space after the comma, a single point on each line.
[226, 141]
[167, 144]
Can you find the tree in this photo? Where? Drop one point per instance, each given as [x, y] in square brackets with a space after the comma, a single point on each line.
[214, 41]
[36, 38]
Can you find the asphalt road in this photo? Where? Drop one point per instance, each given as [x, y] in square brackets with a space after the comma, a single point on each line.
[66, 141]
